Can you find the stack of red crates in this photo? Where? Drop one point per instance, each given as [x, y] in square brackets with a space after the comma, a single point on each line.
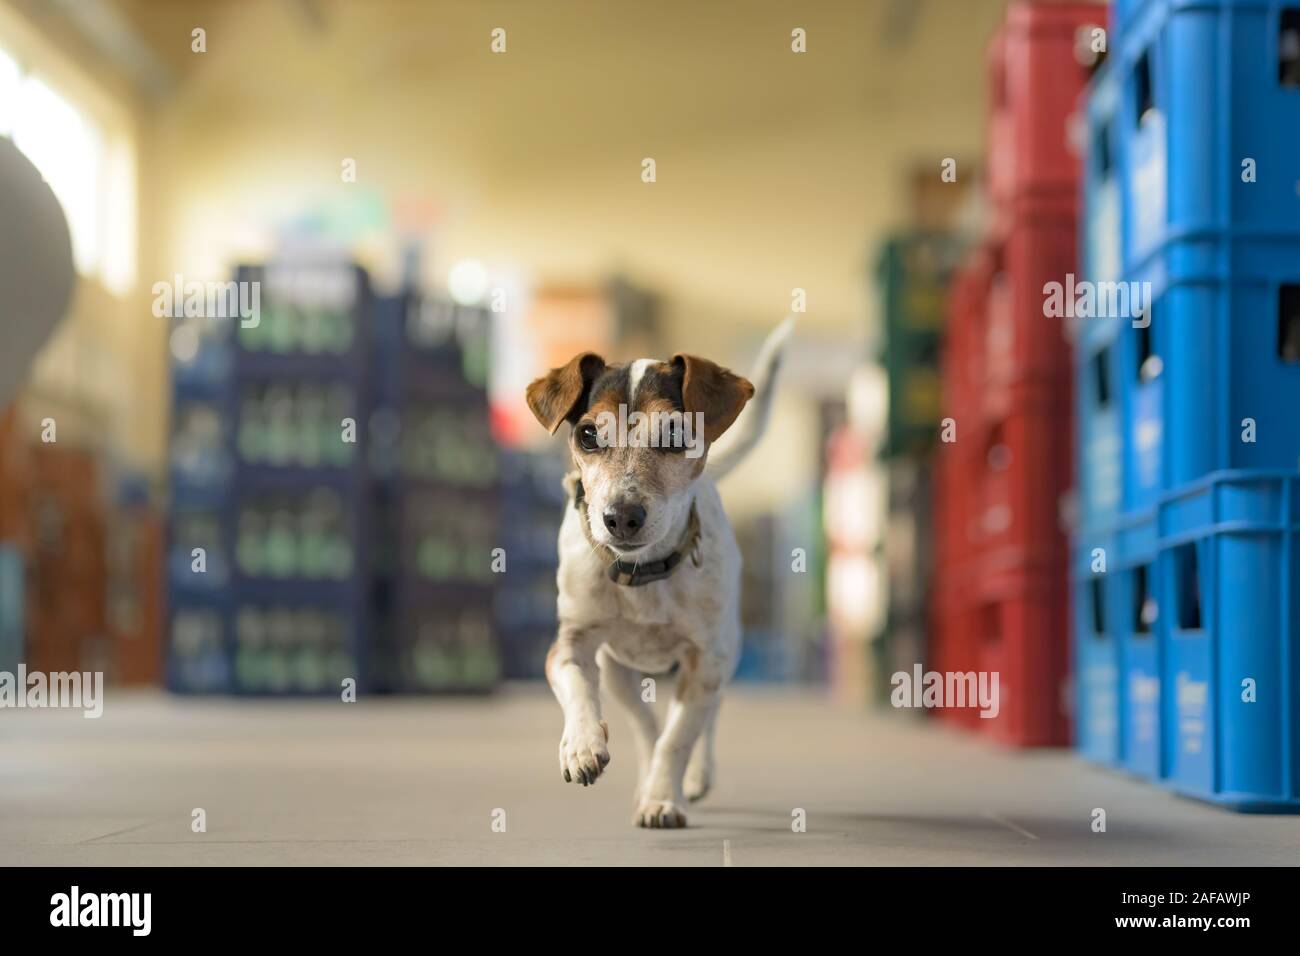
[1002, 599]
[14, 481]
[93, 575]
[66, 561]
[952, 597]
[135, 610]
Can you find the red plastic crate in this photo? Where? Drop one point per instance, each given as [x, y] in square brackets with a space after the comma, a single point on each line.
[962, 371]
[950, 494]
[1034, 81]
[1025, 466]
[962, 359]
[1018, 341]
[15, 482]
[953, 504]
[956, 643]
[1023, 637]
[1000, 594]
[135, 598]
[952, 637]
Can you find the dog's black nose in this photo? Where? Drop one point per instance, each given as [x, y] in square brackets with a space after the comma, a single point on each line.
[624, 520]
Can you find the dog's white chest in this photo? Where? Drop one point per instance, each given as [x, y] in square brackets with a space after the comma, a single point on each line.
[640, 606]
[651, 649]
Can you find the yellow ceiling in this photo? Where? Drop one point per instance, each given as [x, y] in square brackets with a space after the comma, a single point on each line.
[775, 170]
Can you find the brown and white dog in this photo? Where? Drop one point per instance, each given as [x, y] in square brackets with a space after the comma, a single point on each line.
[649, 569]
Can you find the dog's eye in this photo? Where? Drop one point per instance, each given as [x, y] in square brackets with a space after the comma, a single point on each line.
[670, 438]
[588, 440]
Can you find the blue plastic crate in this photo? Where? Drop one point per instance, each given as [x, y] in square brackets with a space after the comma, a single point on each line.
[1122, 13]
[12, 614]
[1098, 415]
[188, 528]
[315, 323]
[319, 347]
[320, 360]
[532, 507]
[1138, 366]
[437, 500]
[1208, 84]
[443, 638]
[419, 345]
[1230, 576]
[1101, 222]
[1097, 661]
[523, 652]
[200, 352]
[764, 658]
[197, 650]
[299, 639]
[1212, 383]
[205, 378]
[1100, 428]
[1131, 571]
[198, 644]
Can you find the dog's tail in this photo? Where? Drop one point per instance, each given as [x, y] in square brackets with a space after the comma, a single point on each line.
[740, 440]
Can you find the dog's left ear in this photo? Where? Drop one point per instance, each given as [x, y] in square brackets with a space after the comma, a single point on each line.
[555, 396]
[717, 392]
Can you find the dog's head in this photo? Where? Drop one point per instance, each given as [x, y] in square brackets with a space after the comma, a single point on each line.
[641, 434]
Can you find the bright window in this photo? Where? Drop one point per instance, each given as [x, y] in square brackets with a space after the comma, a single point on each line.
[69, 153]
[93, 179]
[9, 80]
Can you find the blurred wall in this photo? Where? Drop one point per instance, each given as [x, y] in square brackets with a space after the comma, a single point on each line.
[774, 170]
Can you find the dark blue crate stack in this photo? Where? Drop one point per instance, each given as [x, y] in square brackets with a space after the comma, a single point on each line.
[198, 638]
[269, 477]
[436, 491]
[12, 614]
[532, 507]
[300, 518]
[1197, 119]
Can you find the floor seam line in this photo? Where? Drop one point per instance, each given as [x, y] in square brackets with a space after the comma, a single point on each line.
[1008, 824]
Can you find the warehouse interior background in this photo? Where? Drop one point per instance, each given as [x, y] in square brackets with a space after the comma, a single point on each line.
[483, 198]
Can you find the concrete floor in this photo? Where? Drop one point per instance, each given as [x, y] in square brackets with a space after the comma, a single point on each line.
[416, 782]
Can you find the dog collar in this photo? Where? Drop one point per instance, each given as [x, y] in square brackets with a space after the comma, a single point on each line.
[634, 574]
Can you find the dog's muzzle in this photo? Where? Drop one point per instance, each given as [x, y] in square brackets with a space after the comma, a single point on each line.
[637, 573]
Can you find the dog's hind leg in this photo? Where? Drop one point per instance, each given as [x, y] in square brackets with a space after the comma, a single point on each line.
[623, 683]
[662, 801]
[699, 770]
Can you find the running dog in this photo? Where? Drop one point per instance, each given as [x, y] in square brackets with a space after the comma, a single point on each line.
[649, 572]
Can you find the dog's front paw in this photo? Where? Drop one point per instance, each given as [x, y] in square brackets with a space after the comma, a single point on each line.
[583, 753]
[659, 814]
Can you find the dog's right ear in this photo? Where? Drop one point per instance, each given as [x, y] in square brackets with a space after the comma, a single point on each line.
[554, 398]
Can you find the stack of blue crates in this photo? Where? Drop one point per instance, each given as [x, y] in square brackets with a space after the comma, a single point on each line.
[435, 465]
[269, 479]
[301, 491]
[1186, 559]
[11, 608]
[334, 463]
[198, 561]
[533, 503]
